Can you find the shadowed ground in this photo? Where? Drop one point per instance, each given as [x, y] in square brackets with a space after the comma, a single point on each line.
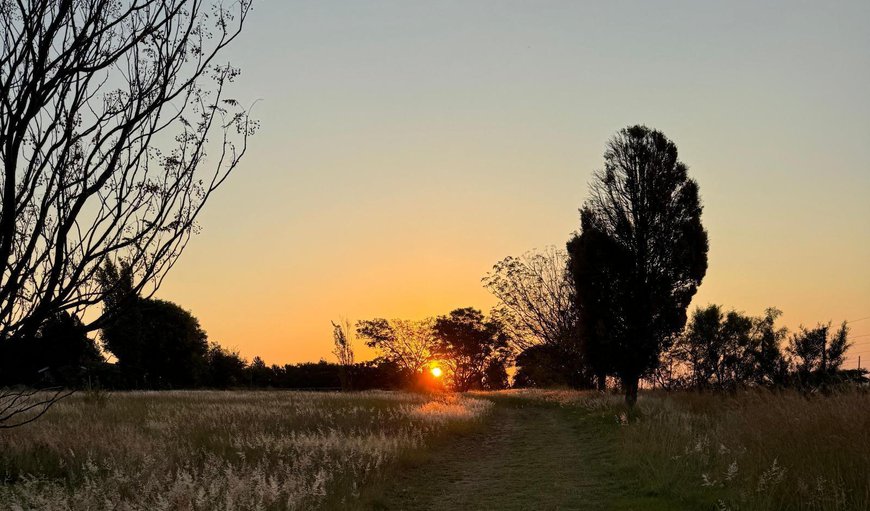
[529, 456]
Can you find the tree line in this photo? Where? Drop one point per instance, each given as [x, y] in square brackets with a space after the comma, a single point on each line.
[608, 310]
[157, 344]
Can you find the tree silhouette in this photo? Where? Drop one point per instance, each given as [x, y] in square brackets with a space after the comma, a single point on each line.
[471, 346]
[537, 308]
[724, 350]
[343, 351]
[639, 257]
[106, 112]
[535, 296]
[60, 354]
[226, 368]
[157, 343]
[817, 353]
[409, 344]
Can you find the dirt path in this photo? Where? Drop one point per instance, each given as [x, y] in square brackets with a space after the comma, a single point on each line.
[528, 457]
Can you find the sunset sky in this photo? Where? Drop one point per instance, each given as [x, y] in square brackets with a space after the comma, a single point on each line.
[405, 147]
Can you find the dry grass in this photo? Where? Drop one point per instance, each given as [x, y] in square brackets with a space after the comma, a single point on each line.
[753, 450]
[217, 450]
[749, 450]
[291, 450]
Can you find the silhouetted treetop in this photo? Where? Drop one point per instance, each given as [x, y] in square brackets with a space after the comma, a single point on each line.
[410, 344]
[471, 346]
[640, 255]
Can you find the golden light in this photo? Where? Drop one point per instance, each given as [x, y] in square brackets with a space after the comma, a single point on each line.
[436, 372]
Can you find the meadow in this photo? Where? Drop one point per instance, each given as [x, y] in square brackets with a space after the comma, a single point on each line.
[202, 450]
[749, 450]
[753, 450]
[283, 450]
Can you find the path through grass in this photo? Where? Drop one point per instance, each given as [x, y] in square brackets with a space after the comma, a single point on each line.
[561, 450]
[530, 454]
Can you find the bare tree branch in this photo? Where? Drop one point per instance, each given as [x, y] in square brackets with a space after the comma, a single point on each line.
[106, 113]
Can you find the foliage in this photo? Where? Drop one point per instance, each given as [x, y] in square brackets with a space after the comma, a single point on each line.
[495, 376]
[546, 365]
[538, 313]
[729, 350]
[640, 255]
[817, 353]
[157, 343]
[259, 374]
[725, 350]
[108, 113]
[409, 344]
[225, 368]
[61, 353]
[469, 344]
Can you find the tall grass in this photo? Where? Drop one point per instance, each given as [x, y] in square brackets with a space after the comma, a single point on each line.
[217, 450]
[752, 450]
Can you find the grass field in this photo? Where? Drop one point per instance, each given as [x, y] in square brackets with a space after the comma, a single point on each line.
[218, 450]
[511, 450]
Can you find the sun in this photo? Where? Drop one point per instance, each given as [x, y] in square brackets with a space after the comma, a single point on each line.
[436, 372]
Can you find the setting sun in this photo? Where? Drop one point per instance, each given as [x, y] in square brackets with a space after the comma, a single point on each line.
[436, 372]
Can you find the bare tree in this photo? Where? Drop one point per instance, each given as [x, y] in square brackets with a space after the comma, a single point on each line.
[20, 407]
[115, 129]
[343, 351]
[535, 297]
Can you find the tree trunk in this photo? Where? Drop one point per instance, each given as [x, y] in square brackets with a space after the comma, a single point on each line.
[630, 385]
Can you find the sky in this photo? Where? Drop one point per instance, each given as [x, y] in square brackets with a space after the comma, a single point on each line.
[405, 147]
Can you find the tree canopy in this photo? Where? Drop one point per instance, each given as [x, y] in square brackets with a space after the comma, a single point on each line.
[157, 343]
[727, 349]
[410, 344]
[639, 257]
[471, 346]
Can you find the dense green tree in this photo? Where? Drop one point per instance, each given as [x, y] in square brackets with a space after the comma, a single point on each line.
[226, 368]
[546, 365]
[639, 257]
[157, 343]
[818, 353]
[725, 350]
[468, 344]
[60, 353]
